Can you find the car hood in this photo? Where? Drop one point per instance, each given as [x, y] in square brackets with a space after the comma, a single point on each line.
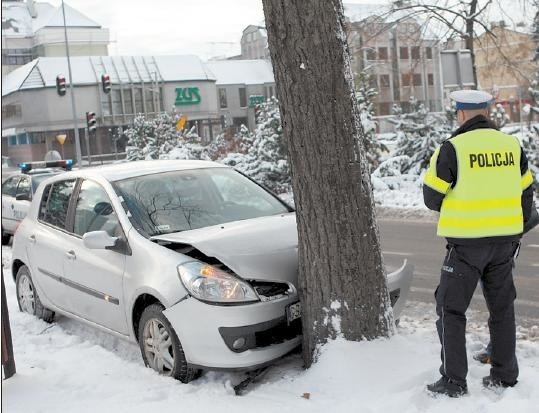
[263, 248]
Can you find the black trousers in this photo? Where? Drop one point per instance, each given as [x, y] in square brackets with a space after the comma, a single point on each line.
[463, 267]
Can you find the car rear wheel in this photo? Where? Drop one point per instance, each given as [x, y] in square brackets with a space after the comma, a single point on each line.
[160, 347]
[28, 298]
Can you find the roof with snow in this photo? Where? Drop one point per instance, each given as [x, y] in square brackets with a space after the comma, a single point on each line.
[87, 70]
[238, 72]
[17, 18]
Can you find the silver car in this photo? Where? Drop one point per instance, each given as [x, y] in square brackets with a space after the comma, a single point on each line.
[191, 259]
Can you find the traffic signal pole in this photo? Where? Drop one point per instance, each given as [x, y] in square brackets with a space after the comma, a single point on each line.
[71, 89]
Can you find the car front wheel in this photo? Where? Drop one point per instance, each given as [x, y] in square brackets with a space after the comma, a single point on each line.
[28, 298]
[160, 347]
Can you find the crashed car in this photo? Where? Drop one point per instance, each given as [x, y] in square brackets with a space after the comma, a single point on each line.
[191, 259]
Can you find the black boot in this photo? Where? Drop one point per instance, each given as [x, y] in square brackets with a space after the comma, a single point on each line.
[448, 387]
[490, 383]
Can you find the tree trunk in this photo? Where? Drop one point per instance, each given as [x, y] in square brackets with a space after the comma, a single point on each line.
[470, 20]
[342, 282]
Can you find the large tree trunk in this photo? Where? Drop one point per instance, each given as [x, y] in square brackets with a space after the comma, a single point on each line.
[469, 42]
[341, 277]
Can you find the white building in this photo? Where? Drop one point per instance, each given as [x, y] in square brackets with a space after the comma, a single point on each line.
[36, 29]
[212, 95]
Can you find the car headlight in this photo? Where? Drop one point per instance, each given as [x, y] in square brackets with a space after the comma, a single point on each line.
[208, 283]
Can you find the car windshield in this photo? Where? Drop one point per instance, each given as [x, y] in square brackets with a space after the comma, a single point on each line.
[184, 200]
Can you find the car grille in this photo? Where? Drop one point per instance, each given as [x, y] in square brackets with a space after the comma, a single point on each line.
[270, 290]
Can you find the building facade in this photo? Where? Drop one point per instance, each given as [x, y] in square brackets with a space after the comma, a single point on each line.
[36, 29]
[254, 43]
[505, 67]
[213, 96]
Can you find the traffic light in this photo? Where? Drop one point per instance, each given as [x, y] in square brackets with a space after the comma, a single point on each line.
[105, 83]
[61, 85]
[91, 121]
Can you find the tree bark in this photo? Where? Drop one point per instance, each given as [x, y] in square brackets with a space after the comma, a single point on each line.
[342, 283]
[470, 20]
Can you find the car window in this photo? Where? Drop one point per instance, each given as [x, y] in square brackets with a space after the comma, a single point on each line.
[24, 187]
[37, 179]
[55, 203]
[94, 211]
[183, 200]
[9, 187]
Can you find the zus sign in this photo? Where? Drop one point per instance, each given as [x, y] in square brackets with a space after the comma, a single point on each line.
[187, 96]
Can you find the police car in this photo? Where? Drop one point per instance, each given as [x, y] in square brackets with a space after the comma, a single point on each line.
[19, 188]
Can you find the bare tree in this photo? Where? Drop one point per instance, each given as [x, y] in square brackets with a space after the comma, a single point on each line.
[464, 18]
[341, 276]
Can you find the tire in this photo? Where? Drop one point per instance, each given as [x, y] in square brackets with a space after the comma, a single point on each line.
[174, 363]
[5, 237]
[27, 296]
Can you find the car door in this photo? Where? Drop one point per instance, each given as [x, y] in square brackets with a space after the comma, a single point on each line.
[95, 276]
[49, 240]
[9, 189]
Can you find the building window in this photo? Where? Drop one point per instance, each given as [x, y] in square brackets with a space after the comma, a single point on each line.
[36, 138]
[405, 79]
[371, 54]
[384, 108]
[11, 111]
[384, 81]
[415, 53]
[243, 97]
[23, 139]
[417, 79]
[403, 52]
[222, 98]
[430, 79]
[239, 121]
[12, 140]
[16, 57]
[138, 101]
[116, 95]
[382, 53]
[428, 52]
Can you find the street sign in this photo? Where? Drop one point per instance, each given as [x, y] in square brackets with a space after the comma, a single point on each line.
[181, 123]
[457, 69]
[255, 100]
[61, 139]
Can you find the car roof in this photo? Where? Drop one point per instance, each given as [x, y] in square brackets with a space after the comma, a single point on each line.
[125, 170]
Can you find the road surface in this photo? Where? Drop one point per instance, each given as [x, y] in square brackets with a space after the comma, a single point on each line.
[417, 241]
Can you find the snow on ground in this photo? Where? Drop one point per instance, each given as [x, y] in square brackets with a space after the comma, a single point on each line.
[69, 367]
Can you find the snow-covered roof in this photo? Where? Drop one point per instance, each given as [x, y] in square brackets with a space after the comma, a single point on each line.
[238, 72]
[17, 20]
[42, 71]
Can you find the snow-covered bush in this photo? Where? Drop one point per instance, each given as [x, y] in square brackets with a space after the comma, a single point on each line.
[364, 96]
[499, 117]
[157, 138]
[265, 157]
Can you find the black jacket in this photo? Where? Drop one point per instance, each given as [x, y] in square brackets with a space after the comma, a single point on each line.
[446, 169]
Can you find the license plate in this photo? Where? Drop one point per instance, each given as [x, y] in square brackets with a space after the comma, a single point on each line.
[293, 312]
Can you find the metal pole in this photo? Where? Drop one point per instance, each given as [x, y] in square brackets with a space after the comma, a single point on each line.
[71, 89]
[87, 138]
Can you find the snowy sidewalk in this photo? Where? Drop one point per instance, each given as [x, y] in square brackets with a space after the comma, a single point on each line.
[69, 367]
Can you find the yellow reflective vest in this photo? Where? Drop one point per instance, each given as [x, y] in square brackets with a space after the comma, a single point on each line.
[486, 199]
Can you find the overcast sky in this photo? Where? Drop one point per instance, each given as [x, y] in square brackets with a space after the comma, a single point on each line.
[207, 28]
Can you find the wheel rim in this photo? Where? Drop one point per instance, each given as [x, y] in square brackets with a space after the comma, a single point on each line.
[158, 347]
[26, 295]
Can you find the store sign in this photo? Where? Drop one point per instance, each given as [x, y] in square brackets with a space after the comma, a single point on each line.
[255, 100]
[187, 96]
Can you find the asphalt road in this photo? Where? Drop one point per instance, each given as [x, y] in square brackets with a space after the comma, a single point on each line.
[417, 242]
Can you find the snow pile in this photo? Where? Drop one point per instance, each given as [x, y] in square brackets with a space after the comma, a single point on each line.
[70, 367]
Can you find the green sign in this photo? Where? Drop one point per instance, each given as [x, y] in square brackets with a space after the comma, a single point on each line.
[187, 96]
[255, 100]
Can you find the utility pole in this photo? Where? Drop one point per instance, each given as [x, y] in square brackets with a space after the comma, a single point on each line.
[71, 89]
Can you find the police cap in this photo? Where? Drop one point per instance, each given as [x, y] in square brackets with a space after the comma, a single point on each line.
[471, 99]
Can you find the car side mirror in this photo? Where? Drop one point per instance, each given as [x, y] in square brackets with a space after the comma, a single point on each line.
[22, 197]
[98, 240]
[103, 208]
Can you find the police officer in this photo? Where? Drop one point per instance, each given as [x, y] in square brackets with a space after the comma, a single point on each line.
[480, 182]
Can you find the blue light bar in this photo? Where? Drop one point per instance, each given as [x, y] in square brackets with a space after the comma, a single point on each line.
[66, 164]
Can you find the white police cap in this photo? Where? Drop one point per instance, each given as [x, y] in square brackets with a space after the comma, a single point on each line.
[471, 99]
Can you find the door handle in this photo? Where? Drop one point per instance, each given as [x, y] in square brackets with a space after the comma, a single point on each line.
[71, 255]
[32, 239]
[12, 206]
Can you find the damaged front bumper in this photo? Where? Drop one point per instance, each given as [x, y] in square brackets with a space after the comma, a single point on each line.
[234, 337]
[398, 285]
